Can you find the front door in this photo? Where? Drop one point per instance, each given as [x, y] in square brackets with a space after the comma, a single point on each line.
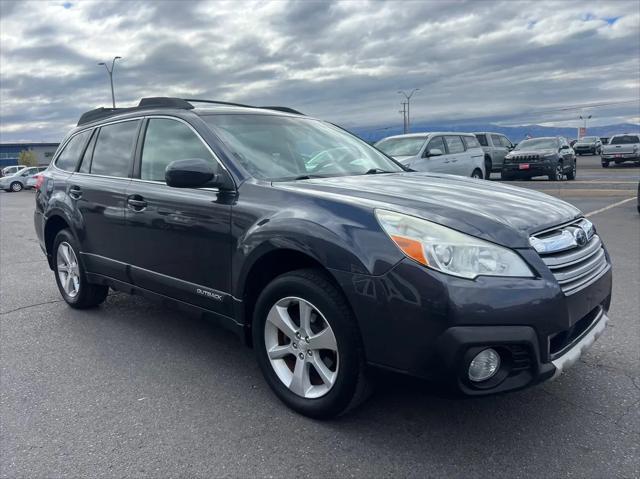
[179, 238]
[434, 164]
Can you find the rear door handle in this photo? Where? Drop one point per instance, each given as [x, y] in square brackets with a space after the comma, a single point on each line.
[136, 202]
[75, 192]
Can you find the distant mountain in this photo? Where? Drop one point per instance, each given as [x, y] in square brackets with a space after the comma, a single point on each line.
[514, 133]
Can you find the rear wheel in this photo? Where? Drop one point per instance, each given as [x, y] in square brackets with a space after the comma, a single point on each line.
[308, 345]
[477, 173]
[16, 186]
[71, 277]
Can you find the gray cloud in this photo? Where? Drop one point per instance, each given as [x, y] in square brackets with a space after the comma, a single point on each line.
[343, 61]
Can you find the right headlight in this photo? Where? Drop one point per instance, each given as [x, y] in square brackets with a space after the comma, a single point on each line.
[450, 251]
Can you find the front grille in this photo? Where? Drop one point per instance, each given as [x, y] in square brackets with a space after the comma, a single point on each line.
[560, 342]
[520, 158]
[573, 253]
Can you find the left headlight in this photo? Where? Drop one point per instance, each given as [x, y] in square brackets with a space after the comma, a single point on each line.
[450, 251]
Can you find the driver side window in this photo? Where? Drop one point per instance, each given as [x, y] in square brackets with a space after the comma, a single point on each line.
[167, 140]
[436, 143]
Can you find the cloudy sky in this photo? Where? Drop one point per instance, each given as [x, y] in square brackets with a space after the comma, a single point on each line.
[512, 62]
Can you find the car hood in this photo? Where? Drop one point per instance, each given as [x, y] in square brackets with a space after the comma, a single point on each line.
[403, 159]
[500, 213]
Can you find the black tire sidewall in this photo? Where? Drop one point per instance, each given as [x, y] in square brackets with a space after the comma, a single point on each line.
[343, 325]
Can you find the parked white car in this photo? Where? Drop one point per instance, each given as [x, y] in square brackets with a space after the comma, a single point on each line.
[453, 153]
[18, 181]
[12, 170]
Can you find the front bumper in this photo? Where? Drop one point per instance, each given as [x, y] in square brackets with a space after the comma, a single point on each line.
[537, 168]
[427, 324]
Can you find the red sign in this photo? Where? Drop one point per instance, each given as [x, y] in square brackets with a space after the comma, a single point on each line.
[582, 131]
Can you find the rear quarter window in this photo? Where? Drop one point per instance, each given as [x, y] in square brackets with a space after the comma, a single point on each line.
[68, 158]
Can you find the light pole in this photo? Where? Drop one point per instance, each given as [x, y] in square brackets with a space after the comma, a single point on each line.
[404, 116]
[585, 118]
[408, 97]
[110, 72]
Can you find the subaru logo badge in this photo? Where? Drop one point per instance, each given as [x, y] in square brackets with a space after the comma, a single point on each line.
[580, 236]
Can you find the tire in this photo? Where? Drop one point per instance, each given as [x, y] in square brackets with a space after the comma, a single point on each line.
[78, 292]
[605, 164]
[16, 186]
[574, 170]
[558, 172]
[345, 384]
[488, 166]
[506, 176]
[477, 173]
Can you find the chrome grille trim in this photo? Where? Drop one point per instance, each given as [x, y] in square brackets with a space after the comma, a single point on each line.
[574, 266]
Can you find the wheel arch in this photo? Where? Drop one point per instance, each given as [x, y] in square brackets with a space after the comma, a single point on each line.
[54, 224]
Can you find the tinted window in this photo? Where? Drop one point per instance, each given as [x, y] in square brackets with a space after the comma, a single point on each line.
[454, 143]
[624, 140]
[482, 139]
[68, 159]
[86, 158]
[114, 149]
[166, 141]
[437, 143]
[471, 142]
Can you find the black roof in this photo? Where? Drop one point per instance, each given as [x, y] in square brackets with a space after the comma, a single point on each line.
[168, 102]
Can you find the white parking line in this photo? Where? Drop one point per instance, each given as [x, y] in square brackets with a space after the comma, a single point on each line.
[591, 213]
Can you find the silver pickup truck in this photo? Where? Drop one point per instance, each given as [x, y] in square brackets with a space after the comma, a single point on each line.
[621, 148]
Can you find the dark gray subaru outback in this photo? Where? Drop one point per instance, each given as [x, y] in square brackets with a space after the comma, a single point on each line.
[321, 252]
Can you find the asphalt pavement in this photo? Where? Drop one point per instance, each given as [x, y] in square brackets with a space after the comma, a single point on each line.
[137, 389]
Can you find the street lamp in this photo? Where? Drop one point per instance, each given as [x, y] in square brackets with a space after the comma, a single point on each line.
[585, 118]
[408, 97]
[110, 72]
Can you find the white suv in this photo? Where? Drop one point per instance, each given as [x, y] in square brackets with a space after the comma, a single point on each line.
[454, 153]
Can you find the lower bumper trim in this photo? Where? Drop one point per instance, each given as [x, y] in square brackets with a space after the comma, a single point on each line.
[572, 355]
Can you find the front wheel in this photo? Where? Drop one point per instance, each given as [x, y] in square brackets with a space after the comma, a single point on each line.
[572, 174]
[477, 173]
[308, 345]
[71, 277]
[16, 186]
[605, 164]
[558, 172]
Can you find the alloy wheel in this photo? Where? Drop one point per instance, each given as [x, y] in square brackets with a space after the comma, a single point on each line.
[16, 187]
[559, 172]
[68, 269]
[301, 347]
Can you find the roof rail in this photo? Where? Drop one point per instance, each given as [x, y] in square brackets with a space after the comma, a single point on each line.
[168, 102]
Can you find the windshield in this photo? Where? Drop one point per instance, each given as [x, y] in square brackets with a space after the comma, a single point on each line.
[538, 144]
[401, 146]
[281, 148]
[624, 140]
[588, 139]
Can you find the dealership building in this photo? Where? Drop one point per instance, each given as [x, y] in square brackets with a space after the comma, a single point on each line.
[9, 152]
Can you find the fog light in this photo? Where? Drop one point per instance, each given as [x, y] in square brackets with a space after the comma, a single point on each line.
[484, 365]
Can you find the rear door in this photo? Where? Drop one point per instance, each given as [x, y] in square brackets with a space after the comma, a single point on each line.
[99, 192]
[179, 238]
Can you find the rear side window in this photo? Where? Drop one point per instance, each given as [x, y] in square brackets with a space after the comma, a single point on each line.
[482, 139]
[68, 158]
[471, 142]
[168, 140]
[85, 166]
[454, 143]
[624, 140]
[113, 152]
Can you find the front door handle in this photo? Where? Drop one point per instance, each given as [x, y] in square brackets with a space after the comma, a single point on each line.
[136, 202]
[75, 192]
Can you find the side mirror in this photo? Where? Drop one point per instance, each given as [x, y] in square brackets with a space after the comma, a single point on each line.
[195, 173]
[434, 152]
